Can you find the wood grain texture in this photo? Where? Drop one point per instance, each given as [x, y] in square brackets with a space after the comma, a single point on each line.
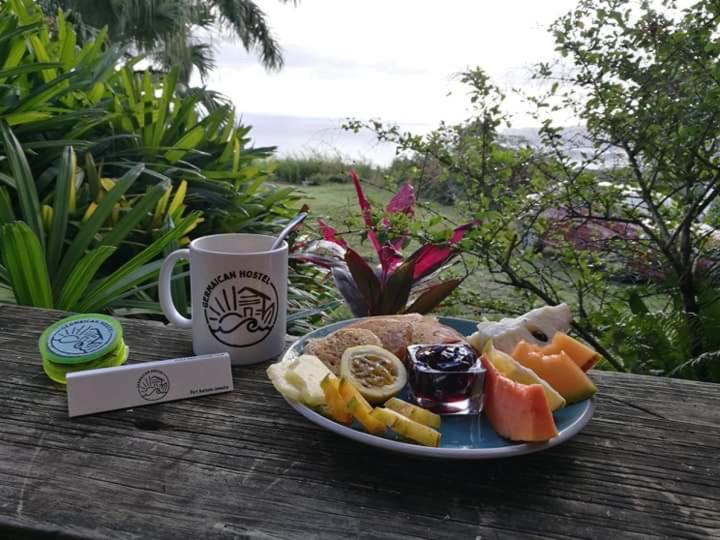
[245, 465]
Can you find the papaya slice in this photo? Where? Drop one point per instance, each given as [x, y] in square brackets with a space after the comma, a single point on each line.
[559, 370]
[585, 357]
[519, 412]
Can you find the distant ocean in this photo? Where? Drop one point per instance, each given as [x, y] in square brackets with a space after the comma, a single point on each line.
[304, 136]
[296, 136]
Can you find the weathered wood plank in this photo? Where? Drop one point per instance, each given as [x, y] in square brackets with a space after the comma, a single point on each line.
[246, 465]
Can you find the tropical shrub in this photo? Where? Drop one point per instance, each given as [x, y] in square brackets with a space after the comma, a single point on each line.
[386, 287]
[54, 252]
[57, 94]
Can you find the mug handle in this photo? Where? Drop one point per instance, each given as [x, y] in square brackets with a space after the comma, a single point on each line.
[166, 301]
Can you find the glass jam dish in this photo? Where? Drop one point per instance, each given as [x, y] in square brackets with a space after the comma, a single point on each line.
[446, 379]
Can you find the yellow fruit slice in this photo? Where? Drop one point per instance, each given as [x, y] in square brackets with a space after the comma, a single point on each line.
[276, 374]
[360, 408]
[407, 428]
[305, 374]
[515, 371]
[420, 415]
[335, 403]
[377, 373]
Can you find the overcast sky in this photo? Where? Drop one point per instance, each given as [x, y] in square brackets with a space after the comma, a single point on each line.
[389, 59]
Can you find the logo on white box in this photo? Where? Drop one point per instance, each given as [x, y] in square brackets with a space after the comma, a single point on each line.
[153, 385]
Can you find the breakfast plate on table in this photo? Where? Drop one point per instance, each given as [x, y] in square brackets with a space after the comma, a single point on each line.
[468, 436]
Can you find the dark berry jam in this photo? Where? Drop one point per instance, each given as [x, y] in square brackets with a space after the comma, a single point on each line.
[445, 357]
[447, 379]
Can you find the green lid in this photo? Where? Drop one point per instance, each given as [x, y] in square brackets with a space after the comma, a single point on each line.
[58, 372]
[80, 338]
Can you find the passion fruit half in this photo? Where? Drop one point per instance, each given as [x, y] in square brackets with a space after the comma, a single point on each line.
[377, 373]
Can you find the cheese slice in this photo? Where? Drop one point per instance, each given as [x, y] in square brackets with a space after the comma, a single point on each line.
[305, 373]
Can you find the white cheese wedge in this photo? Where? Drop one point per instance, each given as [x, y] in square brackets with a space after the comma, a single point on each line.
[276, 373]
[305, 373]
[507, 333]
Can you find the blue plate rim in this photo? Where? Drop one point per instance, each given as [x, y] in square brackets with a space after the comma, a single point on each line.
[516, 449]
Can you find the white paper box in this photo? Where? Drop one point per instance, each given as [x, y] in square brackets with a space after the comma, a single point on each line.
[147, 383]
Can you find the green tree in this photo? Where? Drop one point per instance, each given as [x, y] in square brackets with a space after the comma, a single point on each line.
[645, 80]
[642, 78]
[171, 31]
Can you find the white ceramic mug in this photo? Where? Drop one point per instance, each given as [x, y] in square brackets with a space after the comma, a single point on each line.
[238, 287]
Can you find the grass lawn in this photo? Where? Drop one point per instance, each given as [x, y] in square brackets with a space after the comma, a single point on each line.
[336, 202]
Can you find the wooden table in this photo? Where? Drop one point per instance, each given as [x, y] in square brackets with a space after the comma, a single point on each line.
[245, 465]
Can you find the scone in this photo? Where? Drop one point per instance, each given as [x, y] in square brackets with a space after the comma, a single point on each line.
[330, 349]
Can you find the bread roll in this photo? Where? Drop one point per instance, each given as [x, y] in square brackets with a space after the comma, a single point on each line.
[330, 349]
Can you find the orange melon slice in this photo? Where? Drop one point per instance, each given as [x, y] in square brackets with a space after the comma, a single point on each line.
[581, 354]
[519, 412]
[559, 370]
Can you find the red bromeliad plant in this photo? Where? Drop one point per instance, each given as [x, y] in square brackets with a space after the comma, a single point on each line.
[387, 287]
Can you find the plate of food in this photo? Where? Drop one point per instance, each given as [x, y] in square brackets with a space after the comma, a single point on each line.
[443, 387]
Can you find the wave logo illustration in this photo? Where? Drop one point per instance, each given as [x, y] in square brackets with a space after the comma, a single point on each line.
[153, 385]
[240, 316]
[81, 337]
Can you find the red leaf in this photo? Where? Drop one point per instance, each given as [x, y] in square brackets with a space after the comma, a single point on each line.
[403, 201]
[364, 276]
[330, 234]
[431, 257]
[431, 297]
[350, 292]
[366, 211]
[390, 259]
[396, 290]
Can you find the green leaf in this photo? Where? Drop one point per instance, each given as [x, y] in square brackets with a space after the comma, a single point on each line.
[169, 84]
[367, 282]
[90, 228]
[25, 183]
[61, 202]
[27, 68]
[136, 270]
[7, 215]
[24, 260]
[396, 291]
[83, 273]
[188, 141]
[433, 296]
[25, 118]
[141, 209]
[93, 177]
[637, 306]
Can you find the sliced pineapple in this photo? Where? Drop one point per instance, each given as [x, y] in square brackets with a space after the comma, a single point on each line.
[336, 406]
[407, 428]
[305, 374]
[276, 374]
[420, 415]
[360, 408]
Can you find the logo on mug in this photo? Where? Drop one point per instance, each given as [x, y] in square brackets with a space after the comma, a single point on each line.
[240, 307]
[153, 385]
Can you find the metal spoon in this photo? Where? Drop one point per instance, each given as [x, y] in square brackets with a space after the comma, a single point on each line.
[294, 222]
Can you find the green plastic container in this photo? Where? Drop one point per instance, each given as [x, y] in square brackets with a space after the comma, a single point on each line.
[81, 342]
